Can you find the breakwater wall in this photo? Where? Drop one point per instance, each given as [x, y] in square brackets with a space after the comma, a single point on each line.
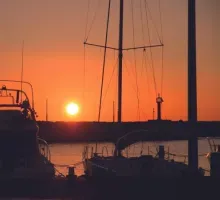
[109, 131]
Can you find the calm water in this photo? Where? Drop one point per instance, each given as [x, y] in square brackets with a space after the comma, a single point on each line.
[69, 154]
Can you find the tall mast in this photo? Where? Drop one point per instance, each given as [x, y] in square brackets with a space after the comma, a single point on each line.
[120, 50]
[192, 88]
[120, 55]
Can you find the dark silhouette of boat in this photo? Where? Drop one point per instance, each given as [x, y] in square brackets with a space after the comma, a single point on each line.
[96, 164]
[23, 155]
[122, 164]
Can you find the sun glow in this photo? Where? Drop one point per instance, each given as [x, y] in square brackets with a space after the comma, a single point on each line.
[72, 109]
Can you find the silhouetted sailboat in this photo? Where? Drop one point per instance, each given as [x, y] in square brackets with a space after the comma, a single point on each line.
[96, 164]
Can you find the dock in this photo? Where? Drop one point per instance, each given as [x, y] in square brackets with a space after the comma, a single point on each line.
[110, 188]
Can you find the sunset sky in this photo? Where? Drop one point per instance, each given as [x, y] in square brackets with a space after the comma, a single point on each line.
[54, 31]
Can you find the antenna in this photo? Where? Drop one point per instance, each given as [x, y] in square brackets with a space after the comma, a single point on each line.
[46, 109]
[153, 113]
[113, 111]
[22, 63]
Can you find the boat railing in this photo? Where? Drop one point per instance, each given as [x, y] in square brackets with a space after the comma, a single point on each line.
[23, 82]
[168, 155]
[44, 148]
[212, 145]
[89, 152]
[106, 150]
[124, 137]
[6, 92]
[136, 151]
[172, 156]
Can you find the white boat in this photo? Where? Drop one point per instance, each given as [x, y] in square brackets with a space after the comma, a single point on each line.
[22, 153]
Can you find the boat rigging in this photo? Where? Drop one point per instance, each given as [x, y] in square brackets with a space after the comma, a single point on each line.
[121, 49]
[143, 165]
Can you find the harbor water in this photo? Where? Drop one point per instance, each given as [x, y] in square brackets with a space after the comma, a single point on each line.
[68, 154]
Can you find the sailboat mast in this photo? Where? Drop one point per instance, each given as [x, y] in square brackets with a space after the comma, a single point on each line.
[192, 88]
[192, 94]
[120, 55]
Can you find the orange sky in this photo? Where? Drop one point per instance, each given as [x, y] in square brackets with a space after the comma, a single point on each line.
[53, 32]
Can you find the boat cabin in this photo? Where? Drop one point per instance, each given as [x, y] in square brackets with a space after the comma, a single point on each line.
[18, 130]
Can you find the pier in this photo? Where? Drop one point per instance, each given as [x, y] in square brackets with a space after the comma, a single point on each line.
[119, 188]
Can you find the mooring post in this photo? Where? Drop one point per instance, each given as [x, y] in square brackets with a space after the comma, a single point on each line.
[161, 153]
[71, 177]
[215, 162]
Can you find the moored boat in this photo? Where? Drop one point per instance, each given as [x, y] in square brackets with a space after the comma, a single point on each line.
[146, 163]
[22, 153]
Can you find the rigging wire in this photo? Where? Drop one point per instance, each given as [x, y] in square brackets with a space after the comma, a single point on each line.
[103, 68]
[142, 23]
[59, 173]
[161, 40]
[85, 39]
[134, 88]
[110, 80]
[147, 7]
[143, 34]
[145, 57]
[144, 64]
[87, 17]
[149, 38]
[116, 90]
[162, 53]
[84, 75]
[22, 66]
[162, 70]
[133, 33]
[161, 25]
[93, 20]
[84, 55]
[126, 67]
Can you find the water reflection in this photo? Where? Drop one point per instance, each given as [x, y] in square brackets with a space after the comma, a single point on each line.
[69, 154]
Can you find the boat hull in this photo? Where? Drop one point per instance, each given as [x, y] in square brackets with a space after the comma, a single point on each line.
[134, 167]
[20, 156]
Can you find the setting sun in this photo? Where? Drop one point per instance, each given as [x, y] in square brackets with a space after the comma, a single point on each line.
[72, 108]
